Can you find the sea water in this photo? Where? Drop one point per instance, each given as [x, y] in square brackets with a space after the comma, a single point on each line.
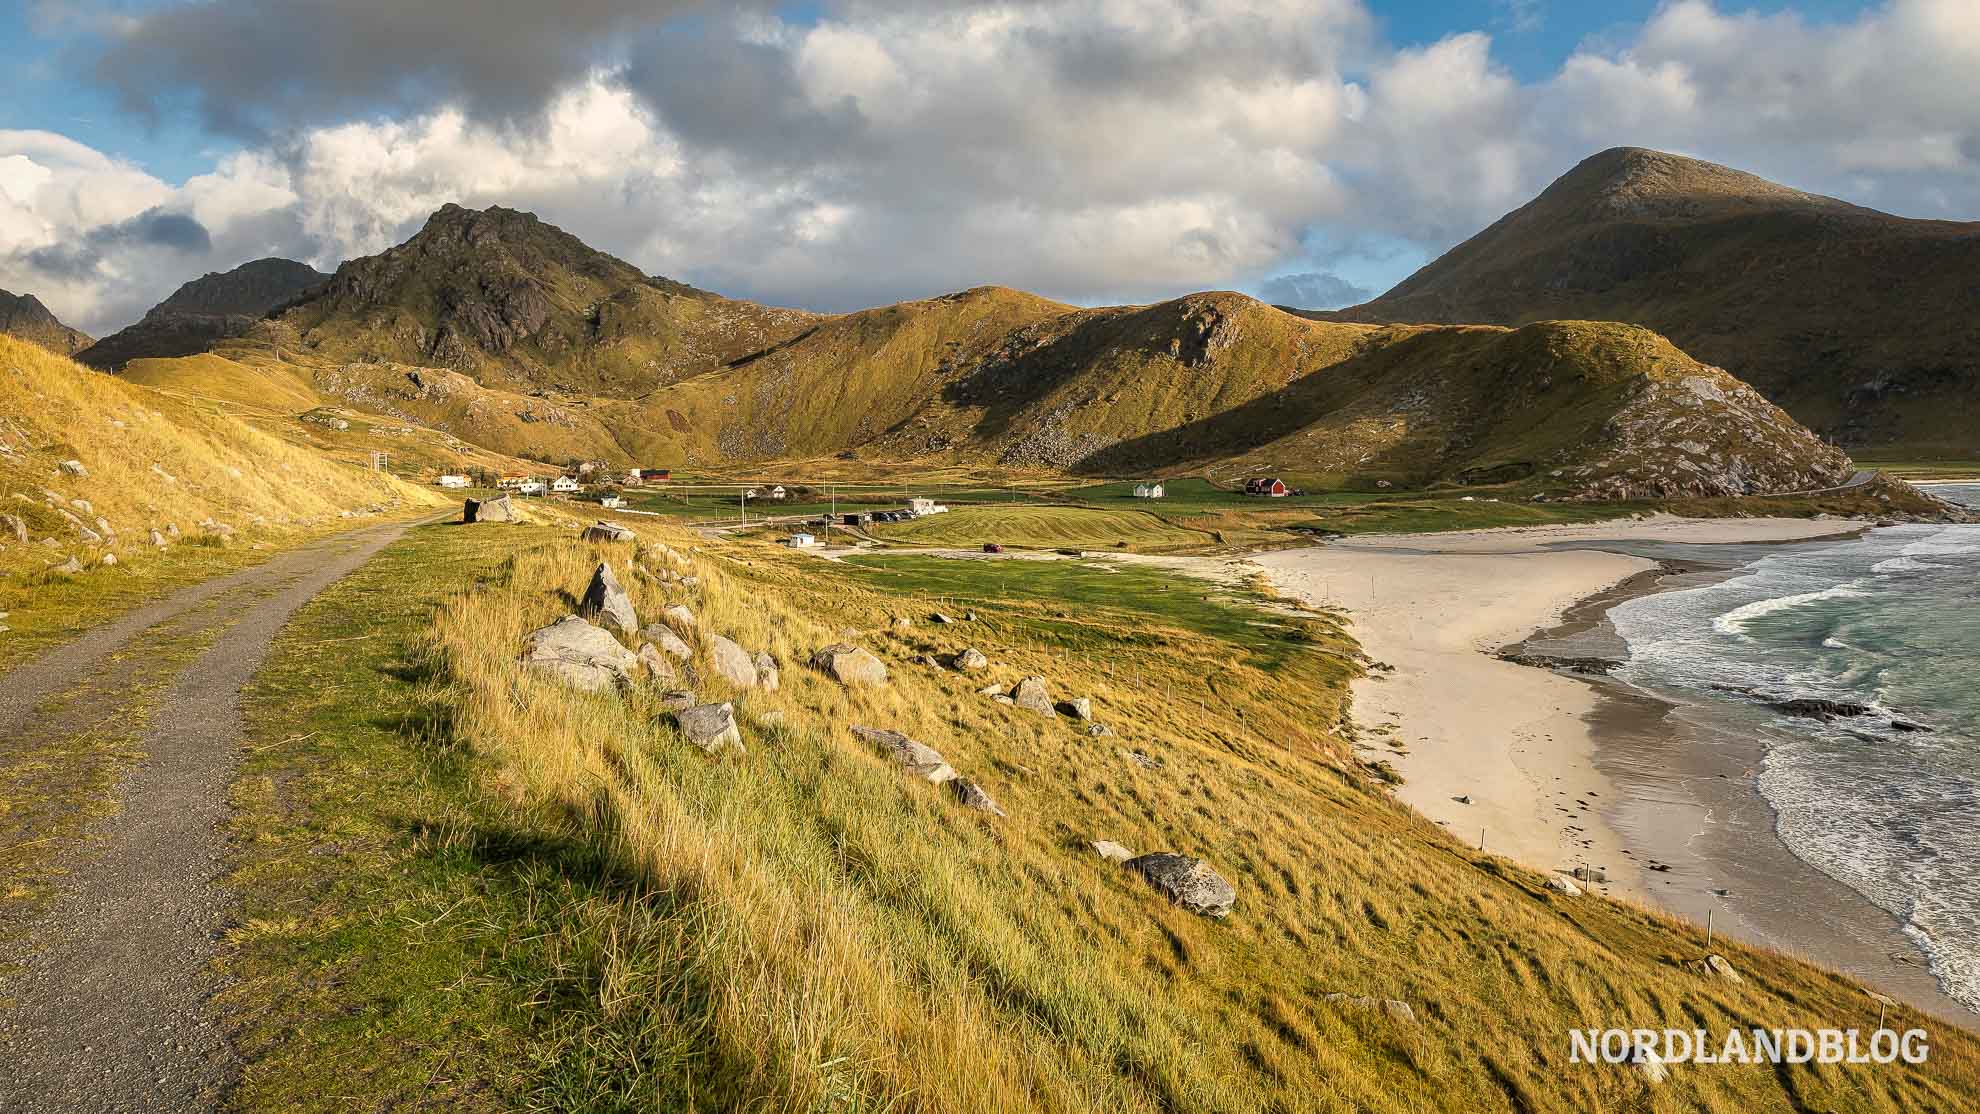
[1890, 621]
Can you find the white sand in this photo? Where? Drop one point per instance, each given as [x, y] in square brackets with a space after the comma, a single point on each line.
[1513, 738]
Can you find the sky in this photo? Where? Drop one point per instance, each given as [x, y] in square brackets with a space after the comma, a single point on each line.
[835, 154]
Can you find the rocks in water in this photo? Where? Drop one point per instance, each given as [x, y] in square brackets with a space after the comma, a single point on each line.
[850, 665]
[1032, 695]
[607, 602]
[579, 654]
[1562, 884]
[1188, 882]
[768, 676]
[669, 643]
[657, 666]
[917, 758]
[679, 618]
[712, 727]
[1816, 707]
[676, 700]
[1079, 708]
[971, 661]
[73, 468]
[1589, 667]
[1906, 725]
[602, 531]
[971, 795]
[1716, 964]
[731, 662]
[498, 509]
[1111, 851]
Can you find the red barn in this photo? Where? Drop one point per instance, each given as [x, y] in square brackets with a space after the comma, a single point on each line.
[1269, 487]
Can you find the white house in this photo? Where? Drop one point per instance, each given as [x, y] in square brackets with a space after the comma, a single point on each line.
[802, 541]
[566, 485]
[918, 507]
[532, 487]
[1148, 491]
[611, 502]
[453, 481]
[777, 492]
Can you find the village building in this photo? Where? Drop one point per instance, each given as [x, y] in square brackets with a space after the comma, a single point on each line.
[919, 507]
[611, 502]
[638, 476]
[777, 492]
[1148, 491]
[802, 541]
[451, 480]
[531, 487]
[566, 485]
[1268, 487]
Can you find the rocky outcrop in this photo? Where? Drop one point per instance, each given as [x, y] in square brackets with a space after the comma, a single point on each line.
[607, 602]
[1188, 882]
[850, 665]
[579, 654]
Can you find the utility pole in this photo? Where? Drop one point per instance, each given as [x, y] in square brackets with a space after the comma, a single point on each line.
[742, 500]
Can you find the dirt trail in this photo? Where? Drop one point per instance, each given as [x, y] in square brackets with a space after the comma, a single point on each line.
[107, 1009]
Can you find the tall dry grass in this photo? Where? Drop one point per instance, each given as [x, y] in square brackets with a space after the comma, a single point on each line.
[804, 928]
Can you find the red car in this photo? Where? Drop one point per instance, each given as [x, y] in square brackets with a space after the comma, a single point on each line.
[992, 547]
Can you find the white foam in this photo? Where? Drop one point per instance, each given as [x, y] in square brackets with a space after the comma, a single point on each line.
[1906, 564]
[1734, 622]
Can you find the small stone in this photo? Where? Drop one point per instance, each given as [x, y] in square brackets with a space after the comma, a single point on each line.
[70, 566]
[664, 637]
[108, 559]
[712, 727]
[971, 795]
[731, 662]
[607, 532]
[1717, 965]
[768, 676]
[657, 666]
[1096, 730]
[916, 758]
[679, 618]
[850, 665]
[1187, 881]
[903, 624]
[676, 700]
[1111, 851]
[1079, 708]
[972, 661]
[938, 617]
[1031, 695]
[74, 468]
[1562, 884]
[157, 539]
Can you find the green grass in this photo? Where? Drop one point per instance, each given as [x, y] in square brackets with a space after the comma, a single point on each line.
[48, 609]
[1045, 527]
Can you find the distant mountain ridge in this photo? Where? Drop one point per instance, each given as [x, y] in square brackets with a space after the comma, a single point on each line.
[1859, 323]
[206, 310]
[23, 316]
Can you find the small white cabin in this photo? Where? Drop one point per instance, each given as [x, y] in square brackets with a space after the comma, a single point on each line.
[918, 507]
[1148, 491]
[611, 502]
[566, 485]
[532, 487]
[777, 492]
[802, 541]
[453, 481]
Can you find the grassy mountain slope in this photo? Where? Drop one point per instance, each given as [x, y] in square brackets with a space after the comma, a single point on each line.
[152, 460]
[1857, 322]
[522, 305]
[23, 316]
[203, 312]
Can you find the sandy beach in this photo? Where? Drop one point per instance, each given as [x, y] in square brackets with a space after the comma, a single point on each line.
[1518, 742]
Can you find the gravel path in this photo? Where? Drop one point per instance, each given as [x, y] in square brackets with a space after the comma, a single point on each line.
[108, 1009]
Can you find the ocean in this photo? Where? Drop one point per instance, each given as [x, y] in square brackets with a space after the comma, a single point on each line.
[1887, 801]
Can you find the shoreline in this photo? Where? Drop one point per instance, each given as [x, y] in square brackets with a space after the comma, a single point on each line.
[1564, 766]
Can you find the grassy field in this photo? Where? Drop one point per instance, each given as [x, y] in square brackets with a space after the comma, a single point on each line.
[1045, 527]
[536, 899]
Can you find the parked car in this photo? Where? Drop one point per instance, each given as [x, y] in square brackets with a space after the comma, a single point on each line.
[992, 547]
[1071, 553]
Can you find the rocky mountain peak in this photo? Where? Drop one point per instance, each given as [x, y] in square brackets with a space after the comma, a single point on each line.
[23, 316]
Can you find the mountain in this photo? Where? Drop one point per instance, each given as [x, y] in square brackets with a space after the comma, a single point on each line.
[204, 311]
[1859, 323]
[522, 305]
[496, 328]
[23, 316]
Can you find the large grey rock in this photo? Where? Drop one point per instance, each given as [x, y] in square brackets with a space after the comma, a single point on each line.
[1111, 851]
[850, 665]
[579, 654]
[1189, 882]
[972, 661]
[1032, 695]
[498, 509]
[971, 795]
[919, 759]
[608, 532]
[731, 662]
[664, 637]
[768, 676]
[607, 602]
[712, 727]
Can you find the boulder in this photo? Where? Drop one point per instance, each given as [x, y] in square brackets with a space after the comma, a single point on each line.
[602, 531]
[731, 662]
[606, 601]
[1079, 708]
[971, 795]
[157, 539]
[656, 664]
[972, 661]
[680, 618]
[172, 530]
[676, 700]
[664, 637]
[498, 509]
[1031, 695]
[1189, 882]
[579, 654]
[1562, 884]
[1716, 965]
[74, 468]
[850, 665]
[712, 727]
[919, 759]
[768, 676]
[938, 617]
[1111, 851]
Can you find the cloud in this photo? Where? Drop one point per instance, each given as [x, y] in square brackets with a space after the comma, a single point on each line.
[1313, 290]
